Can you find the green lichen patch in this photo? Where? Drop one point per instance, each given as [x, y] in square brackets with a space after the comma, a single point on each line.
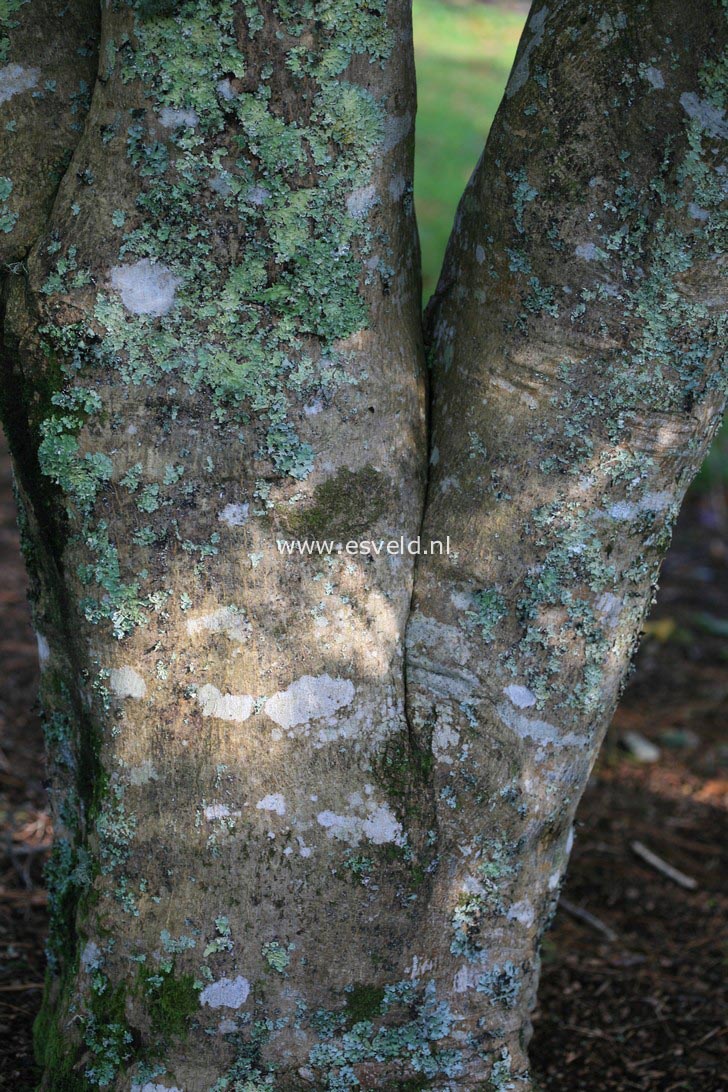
[407, 1038]
[250, 336]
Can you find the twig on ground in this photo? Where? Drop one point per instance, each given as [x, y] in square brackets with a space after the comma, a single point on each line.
[588, 918]
[666, 869]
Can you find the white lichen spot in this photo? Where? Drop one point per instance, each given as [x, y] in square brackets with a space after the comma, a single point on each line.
[588, 251]
[360, 201]
[379, 826]
[697, 213]
[235, 515]
[126, 682]
[14, 79]
[227, 1027]
[225, 90]
[396, 128]
[540, 731]
[228, 620]
[650, 502]
[443, 738]
[709, 117]
[303, 849]
[521, 696]
[275, 802]
[309, 698]
[257, 195]
[466, 978]
[226, 993]
[654, 77]
[523, 913]
[173, 119]
[520, 73]
[214, 812]
[221, 183]
[235, 707]
[146, 288]
[44, 651]
[554, 880]
[91, 957]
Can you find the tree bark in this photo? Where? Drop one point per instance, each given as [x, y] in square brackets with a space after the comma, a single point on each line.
[289, 854]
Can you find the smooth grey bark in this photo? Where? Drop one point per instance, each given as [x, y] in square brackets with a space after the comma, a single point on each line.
[289, 853]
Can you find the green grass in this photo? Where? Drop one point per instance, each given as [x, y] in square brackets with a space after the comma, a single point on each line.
[464, 52]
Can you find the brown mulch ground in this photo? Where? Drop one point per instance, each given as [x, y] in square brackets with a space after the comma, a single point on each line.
[644, 1010]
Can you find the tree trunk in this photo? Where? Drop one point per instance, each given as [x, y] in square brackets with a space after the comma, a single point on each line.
[290, 854]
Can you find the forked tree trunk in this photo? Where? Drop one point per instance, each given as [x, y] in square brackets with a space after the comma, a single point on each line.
[313, 810]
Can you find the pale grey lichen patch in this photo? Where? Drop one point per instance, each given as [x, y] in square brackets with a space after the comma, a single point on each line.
[653, 77]
[444, 737]
[257, 195]
[228, 993]
[378, 825]
[396, 128]
[221, 183]
[14, 79]
[626, 510]
[708, 116]
[229, 620]
[215, 812]
[226, 90]
[234, 707]
[609, 26]
[44, 651]
[126, 682]
[696, 212]
[173, 119]
[146, 288]
[522, 912]
[234, 515]
[274, 802]
[540, 731]
[519, 75]
[360, 201]
[91, 957]
[587, 251]
[309, 698]
[521, 696]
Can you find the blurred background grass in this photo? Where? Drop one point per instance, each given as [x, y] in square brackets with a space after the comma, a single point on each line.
[464, 52]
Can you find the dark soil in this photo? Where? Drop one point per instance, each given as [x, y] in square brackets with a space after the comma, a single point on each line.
[644, 1010]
